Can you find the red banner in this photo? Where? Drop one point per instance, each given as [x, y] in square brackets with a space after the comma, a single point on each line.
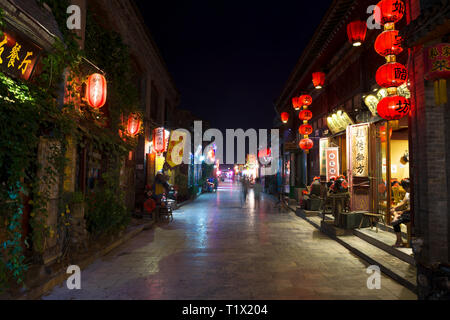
[332, 159]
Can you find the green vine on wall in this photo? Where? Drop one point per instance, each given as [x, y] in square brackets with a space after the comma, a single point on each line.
[31, 112]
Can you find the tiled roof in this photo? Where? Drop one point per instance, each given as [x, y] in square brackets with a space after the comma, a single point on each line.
[43, 16]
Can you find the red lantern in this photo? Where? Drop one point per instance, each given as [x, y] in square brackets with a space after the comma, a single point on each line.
[296, 103]
[393, 107]
[264, 153]
[306, 144]
[389, 43]
[305, 115]
[134, 124]
[285, 117]
[390, 11]
[96, 91]
[305, 100]
[383, 133]
[392, 74]
[159, 140]
[318, 81]
[305, 130]
[356, 31]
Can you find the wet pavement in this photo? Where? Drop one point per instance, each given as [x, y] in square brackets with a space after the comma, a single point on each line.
[215, 249]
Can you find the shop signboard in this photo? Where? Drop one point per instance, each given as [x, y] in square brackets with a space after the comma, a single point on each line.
[18, 56]
[359, 144]
[332, 159]
[323, 144]
[339, 121]
[176, 148]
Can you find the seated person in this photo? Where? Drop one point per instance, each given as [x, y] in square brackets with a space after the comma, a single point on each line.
[401, 214]
[315, 192]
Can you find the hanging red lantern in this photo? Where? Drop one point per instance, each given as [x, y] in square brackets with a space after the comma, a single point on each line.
[285, 117]
[305, 130]
[392, 74]
[393, 107]
[296, 103]
[383, 133]
[390, 11]
[96, 91]
[134, 124]
[159, 140]
[356, 31]
[306, 144]
[389, 43]
[305, 100]
[264, 153]
[305, 115]
[318, 80]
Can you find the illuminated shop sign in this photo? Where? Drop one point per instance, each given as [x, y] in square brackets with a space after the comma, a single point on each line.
[18, 57]
[339, 121]
[332, 162]
[359, 144]
[372, 100]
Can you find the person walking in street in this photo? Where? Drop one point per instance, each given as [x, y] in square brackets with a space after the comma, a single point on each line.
[244, 191]
[257, 190]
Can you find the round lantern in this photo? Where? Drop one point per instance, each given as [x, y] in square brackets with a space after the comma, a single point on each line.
[305, 115]
[389, 43]
[96, 91]
[393, 107]
[383, 133]
[390, 11]
[306, 144]
[392, 74]
[305, 100]
[134, 124]
[318, 80]
[285, 117]
[305, 130]
[356, 31]
[296, 103]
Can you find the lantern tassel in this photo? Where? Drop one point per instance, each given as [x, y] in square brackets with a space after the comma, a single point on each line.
[437, 93]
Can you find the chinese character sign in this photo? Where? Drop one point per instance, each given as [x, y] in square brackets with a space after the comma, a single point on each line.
[323, 156]
[360, 150]
[437, 62]
[332, 159]
[17, 56]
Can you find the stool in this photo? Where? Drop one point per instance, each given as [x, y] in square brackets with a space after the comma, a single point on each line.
[371, 217]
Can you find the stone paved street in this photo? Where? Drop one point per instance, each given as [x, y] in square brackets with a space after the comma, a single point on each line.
[214, 249]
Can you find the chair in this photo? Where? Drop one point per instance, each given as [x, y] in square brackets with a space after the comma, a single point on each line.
[371, 218]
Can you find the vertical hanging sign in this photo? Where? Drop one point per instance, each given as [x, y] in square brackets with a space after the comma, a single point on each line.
[332, 163]
[360, 150]
[323, 156]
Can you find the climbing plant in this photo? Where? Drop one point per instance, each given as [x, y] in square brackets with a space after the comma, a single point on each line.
[33, 112]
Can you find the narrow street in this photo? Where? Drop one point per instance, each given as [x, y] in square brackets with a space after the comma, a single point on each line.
[214, 249]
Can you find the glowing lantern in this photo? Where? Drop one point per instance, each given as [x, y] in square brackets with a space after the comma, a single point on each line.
[134, 124]
[285, 117]
[388, 43]
[265, 154]
[96, 91]
[305, 100]
[159, 140]
[318, 81]
[383, 133]
[393, 107]
[356, 31]
[306, 145]
[296, 103]
[305, 130]
[305, 115]
[390, 11]
[392, 74]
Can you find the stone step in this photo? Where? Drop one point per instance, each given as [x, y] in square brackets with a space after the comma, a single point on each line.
[399, 270]
[384, 240]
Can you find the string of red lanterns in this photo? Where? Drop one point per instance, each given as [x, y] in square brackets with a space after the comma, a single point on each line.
[306, 129]
[392, 74]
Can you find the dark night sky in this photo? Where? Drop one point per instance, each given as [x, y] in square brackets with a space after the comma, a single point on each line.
[231, 59]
